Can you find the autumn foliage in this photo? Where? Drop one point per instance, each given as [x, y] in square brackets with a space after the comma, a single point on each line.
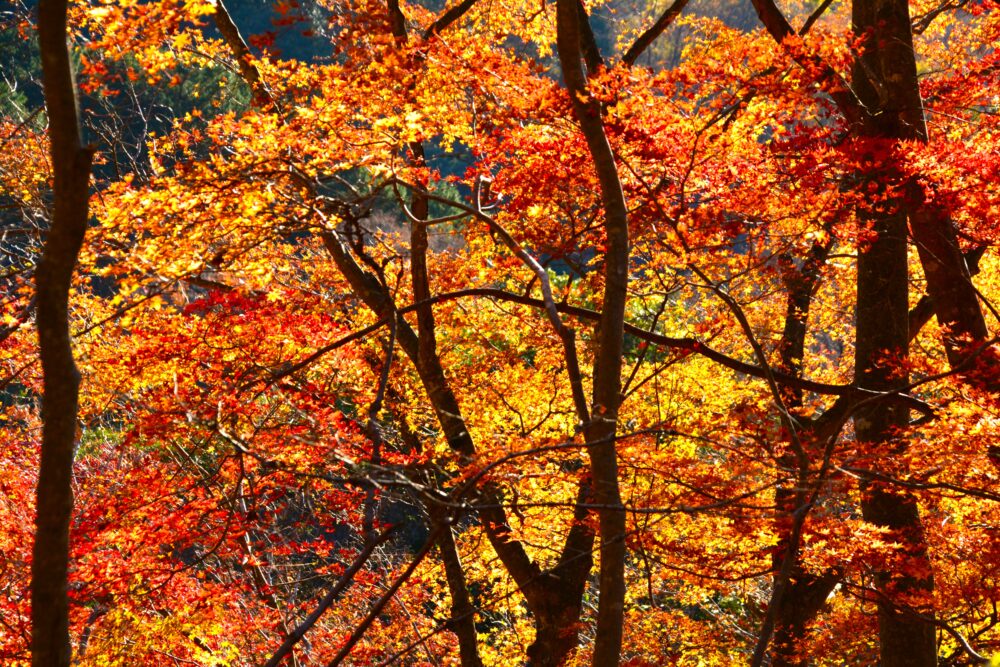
[464, 342]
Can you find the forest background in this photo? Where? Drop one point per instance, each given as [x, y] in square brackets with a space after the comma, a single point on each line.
[499, 332]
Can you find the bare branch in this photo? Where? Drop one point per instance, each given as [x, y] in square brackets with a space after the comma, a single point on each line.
[644, 40]
[346, 579]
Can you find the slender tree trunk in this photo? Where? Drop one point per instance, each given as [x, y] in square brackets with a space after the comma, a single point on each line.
[463, 613]
[600, 432]
[244, 58]
[559, 598]
[71, 163]
[882, 341]
[885, 81]
[805, 592]
[949, 280]
[805, 597]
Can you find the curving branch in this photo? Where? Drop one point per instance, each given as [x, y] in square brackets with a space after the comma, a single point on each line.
[447, 18]
[566, 334]
[683, 344]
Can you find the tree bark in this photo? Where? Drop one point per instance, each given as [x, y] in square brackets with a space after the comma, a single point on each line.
[601, 430]
[904, 638]
[885, 81]
[463, 613]
[805, 592]
[463, 621]
[805, 596]
[231, 34]
[71, 162]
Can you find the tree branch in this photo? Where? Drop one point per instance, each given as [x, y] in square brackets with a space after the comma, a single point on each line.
[836, 86]
[447, 18]
[644, 40]
[244, 58]
[346, 579]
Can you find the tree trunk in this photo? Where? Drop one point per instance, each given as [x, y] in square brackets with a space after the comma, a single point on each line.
[559, 597]
[463, 621]
[463, 613]
[949, 281]
[805, 592]
[885, 81]
[71, 163]
[882, 333]
[600, 432]
[803, 600]
[224, 23]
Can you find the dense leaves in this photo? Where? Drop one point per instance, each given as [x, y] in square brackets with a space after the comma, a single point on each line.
[338, 320]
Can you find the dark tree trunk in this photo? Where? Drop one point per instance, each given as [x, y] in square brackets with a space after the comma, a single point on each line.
[600, 432]
[803, 600]
[463, 613]
[244, 58]
[885, 81]
[949, 281]
[805, 592]
[71, 163]
[904, 638]
[463, 621]
[559, 596]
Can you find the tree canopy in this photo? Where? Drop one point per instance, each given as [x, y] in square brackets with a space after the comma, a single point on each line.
[499, 332]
